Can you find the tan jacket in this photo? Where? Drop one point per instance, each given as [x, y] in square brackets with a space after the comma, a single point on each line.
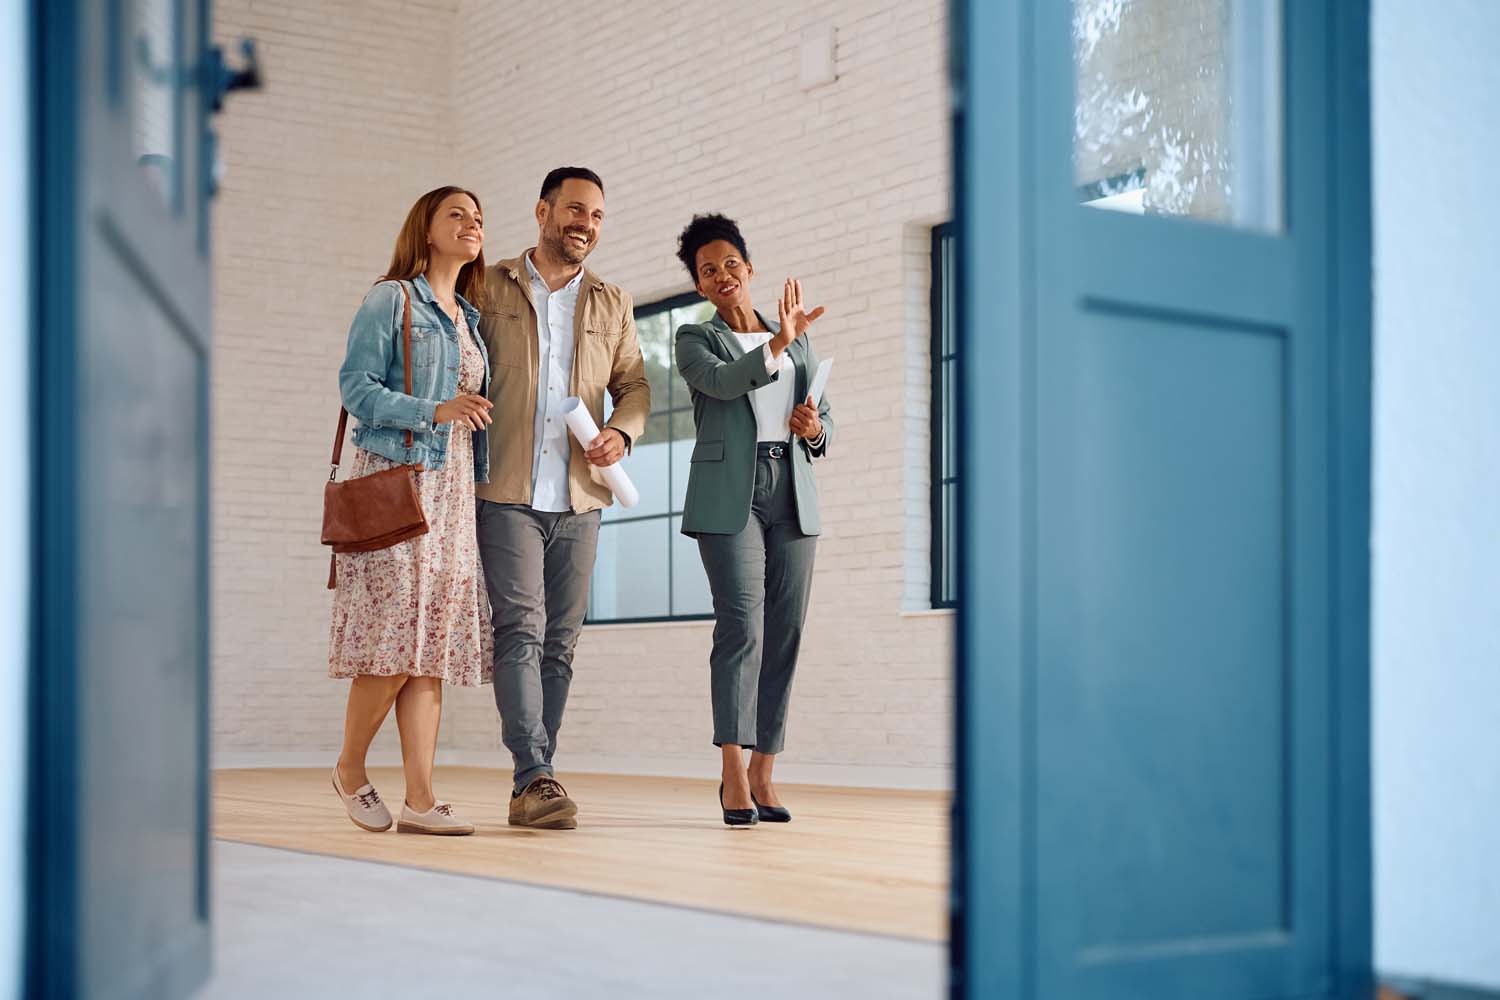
[607, 355]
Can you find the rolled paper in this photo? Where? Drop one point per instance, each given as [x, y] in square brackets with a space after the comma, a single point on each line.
[585, 430]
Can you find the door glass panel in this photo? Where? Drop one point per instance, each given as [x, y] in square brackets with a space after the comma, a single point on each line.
[154, 76]
[1178, 108]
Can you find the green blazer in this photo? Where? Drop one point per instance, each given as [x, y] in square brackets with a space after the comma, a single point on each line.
[721, 477]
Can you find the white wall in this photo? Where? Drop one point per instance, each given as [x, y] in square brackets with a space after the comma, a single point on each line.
[15, 486]
[321, 166]
[1436, 602]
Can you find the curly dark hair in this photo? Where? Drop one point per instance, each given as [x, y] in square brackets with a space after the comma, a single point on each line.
[703, 230]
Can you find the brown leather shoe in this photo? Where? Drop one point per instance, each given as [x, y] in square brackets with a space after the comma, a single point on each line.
[544, 805]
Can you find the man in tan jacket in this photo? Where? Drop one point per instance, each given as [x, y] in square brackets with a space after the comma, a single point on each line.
[553, 329]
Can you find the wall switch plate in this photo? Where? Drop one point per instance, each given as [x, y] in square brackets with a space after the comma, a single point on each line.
[818, 62]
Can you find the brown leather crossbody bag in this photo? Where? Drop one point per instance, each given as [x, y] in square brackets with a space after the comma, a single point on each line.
[379, 510]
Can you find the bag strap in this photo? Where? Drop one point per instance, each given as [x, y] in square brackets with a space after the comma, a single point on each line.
[338, 437]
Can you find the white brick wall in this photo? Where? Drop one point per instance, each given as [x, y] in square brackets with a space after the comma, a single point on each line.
[320, 168]
[679, 113]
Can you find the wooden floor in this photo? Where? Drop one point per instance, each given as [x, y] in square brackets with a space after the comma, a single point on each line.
[865, 860]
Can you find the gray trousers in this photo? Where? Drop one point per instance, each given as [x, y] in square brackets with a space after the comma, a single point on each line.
[536, 569]
[760, 579]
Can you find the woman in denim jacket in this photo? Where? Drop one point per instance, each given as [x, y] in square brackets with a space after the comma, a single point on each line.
[410, 617]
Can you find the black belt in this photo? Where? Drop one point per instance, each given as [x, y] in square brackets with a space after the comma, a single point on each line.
[773, 449]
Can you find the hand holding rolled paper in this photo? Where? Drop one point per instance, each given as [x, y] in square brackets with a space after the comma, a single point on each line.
[606, 449]
[586, 431]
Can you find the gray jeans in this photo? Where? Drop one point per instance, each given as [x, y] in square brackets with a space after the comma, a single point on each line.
[760, 579]
[536, 569]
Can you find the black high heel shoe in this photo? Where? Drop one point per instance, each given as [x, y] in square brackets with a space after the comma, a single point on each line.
[737, 817]
[771, 814]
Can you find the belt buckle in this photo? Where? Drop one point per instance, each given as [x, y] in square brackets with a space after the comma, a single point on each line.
[778, 451]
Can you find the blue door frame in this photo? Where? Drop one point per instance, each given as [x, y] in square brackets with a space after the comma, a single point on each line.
[118, 757]
[1036, 299]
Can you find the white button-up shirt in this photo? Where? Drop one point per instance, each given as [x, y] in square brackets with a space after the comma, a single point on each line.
[554, 334]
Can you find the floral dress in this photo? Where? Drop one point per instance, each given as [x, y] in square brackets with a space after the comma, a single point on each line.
[420, 607]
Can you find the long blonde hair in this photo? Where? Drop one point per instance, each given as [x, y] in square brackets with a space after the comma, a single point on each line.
[410, 258]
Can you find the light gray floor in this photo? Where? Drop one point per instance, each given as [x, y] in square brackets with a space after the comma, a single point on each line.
[291, 925]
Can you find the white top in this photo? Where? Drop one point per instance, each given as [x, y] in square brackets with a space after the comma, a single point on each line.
[772, 402]
[554, 335]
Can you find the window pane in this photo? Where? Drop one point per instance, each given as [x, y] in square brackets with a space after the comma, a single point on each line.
[684, 437]
[699, 313]
[950, 543]
[1178, 108]
[946, 276]
[950, 418]
[647, 467]
[153, 83]
[690, 594]
[655, 334]
[945, 457]
[630, 575]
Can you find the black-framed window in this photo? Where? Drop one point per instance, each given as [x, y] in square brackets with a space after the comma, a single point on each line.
[646, 570]
[944, 419]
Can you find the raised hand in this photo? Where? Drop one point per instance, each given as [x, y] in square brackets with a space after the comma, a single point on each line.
[794, 317]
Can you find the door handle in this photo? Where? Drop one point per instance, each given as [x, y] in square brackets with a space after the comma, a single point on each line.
[221, 78]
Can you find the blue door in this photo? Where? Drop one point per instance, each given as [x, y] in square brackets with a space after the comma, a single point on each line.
[119, 865]
[1163, 787]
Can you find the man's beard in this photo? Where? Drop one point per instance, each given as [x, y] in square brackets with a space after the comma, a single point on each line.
[565, 249]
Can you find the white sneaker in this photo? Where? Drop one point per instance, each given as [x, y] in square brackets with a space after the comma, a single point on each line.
[439, 821]
[364, 806]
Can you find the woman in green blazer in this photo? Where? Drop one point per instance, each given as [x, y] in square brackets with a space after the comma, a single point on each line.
[751, 502]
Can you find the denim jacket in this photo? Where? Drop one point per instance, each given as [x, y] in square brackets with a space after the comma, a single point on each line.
[371, 379]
